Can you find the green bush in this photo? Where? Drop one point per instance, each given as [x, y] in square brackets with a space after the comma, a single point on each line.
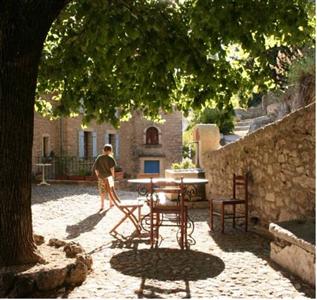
[189, 148]
[185, 164]
[222, 117]
[302, 67]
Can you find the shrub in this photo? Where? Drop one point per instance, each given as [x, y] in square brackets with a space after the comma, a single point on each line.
[223, 118]
[185, 164]
[305, 66]
[189, 148]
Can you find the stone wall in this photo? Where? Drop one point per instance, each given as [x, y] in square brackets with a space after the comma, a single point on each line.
[280, 159]
[43, 127]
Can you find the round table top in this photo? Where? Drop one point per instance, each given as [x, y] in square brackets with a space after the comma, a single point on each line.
[171, 180]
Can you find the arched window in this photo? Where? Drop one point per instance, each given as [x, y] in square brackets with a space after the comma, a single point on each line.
[152, 136]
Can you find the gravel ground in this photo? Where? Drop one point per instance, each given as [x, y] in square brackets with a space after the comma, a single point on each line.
[234, 265]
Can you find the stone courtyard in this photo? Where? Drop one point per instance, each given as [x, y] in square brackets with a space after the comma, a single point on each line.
[235, 265]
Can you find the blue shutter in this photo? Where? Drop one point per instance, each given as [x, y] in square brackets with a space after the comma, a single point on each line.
[117, 150]
[106, 138]
[81, 144]
[151, 166]
[94, 144]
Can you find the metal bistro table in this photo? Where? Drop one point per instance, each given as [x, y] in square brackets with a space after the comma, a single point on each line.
[146, 190]
[189, 183]
[43, 182]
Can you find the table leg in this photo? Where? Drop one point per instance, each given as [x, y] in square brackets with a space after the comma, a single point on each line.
[43, 182]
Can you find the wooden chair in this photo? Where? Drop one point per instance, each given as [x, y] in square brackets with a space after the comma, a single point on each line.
[127, 207]
[238, 181]
[158, 210]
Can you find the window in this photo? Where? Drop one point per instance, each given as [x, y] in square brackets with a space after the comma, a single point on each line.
[114, 140]
[45, 146]
[87, 144]
[152, 166]
[152, 136]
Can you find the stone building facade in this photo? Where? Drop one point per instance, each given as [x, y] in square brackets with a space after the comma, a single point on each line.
[140, 146]
[139, 155]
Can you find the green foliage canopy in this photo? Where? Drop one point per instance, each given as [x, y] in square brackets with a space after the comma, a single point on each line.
[106, 58]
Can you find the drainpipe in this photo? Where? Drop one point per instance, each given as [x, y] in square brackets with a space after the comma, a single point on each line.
[61, 150]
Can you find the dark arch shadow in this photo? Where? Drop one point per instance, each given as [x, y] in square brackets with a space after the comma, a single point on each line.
[168, 264]
[85, 225]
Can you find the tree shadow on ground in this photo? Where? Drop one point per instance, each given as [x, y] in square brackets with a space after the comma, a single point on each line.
[237, 240]
[130, 242]
[85, 225]
[166, 264]
[124, 242]
[152, 292]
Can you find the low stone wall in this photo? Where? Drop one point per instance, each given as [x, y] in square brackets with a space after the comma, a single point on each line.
[66, 266]
[294, 249]
[280, 159]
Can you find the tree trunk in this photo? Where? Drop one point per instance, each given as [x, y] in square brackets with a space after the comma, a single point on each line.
[23, 28]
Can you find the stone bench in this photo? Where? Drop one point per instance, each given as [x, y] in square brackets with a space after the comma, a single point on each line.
[293, 247]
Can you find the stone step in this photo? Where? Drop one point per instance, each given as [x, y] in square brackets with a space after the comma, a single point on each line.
[241, 128]
[246, 122]
[230, 138]
[241, 133]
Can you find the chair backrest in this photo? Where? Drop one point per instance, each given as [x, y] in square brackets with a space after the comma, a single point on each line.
[240, 181]
[168, 187]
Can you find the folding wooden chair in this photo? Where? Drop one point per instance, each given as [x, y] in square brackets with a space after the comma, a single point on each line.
[158, 210]
[241, 181]
[127, 207]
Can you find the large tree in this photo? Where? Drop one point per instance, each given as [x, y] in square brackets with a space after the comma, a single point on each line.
[107, 58]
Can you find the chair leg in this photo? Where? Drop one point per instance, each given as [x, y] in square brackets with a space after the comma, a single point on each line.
[222, 217]
[151, 229]
[186, 220]
[234, 216]
[246, 218]
[139, 217]
[182, 221]
[118, 224]
[157, 226]
[211, 215]
[128, 214]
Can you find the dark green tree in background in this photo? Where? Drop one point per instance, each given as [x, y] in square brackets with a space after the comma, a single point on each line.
[109, 57]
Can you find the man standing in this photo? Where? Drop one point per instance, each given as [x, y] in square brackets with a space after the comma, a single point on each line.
[104, 167]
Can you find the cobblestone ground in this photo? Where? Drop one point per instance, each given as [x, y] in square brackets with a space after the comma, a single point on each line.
[234, 265]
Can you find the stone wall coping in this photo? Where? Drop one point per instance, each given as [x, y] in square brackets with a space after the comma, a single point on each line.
[284, 234]
[178, 171]
[260, 131]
